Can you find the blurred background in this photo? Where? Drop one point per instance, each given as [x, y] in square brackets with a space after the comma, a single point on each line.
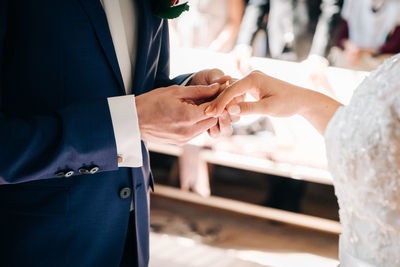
[263, 197]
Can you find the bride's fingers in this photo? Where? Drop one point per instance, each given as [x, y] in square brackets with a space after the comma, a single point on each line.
[236, 100]
[239, 99]
[234, 118]
[225, 82]
[225, 126]
[245, 108]
[214, 131]
[238, 88]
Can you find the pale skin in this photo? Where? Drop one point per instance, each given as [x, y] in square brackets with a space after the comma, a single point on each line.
[275, 98]
[175, 114]
[208, 77]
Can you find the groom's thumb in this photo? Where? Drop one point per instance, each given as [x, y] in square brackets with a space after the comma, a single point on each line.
[200, 91]
[245, 108]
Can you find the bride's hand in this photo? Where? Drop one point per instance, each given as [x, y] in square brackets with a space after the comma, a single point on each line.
[274, 97]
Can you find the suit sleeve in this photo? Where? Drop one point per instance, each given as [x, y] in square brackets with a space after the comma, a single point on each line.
[162, 76]
[54, 145]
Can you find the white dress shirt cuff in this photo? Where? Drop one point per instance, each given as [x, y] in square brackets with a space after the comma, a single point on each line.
[126, 130]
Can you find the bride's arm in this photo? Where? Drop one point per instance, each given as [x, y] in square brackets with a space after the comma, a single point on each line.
[318, 109]
[276, 98]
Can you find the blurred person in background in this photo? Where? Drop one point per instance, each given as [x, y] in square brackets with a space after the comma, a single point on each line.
[278, 27]
[369, 33]
[209, 24]
[252, 38]
[285, 22]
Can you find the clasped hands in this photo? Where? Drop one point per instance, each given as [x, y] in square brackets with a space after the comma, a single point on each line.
[176, 114]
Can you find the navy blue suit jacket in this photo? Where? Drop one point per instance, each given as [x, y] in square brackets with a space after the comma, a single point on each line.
[57, 68]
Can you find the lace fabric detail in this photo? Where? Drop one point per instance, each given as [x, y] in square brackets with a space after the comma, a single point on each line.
[363, 149]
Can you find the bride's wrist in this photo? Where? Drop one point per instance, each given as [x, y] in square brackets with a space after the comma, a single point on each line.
[318, 109]
[305, 101]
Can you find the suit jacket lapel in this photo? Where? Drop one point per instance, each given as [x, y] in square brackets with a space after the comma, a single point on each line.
[99, 22]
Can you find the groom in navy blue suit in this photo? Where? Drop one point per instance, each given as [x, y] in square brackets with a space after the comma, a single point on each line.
[76, 99]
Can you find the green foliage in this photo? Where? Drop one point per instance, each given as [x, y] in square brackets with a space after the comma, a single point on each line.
[164, 10]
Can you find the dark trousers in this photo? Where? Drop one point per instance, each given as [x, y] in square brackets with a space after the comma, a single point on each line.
[129, 258]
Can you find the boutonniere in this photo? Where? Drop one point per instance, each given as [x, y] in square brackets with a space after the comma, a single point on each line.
[168, 9]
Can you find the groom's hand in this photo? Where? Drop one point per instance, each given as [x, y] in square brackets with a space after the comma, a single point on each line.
[210, 76]
[169, 115]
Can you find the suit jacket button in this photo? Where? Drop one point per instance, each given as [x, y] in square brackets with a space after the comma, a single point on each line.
[125, 193]
[83, 170]
[69, 173]
[60, 174]
[94, 169]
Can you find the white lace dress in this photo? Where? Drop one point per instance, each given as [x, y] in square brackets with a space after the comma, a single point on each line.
[363, 148]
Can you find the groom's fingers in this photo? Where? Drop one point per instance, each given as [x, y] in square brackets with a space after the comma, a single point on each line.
[196, 113]
[225, 126]
[222, 80]
[198, 91]
[213, 75]
[238, 88]
[203, 126]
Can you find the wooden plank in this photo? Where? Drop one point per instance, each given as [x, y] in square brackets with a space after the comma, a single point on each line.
[251, 164]
[301, 220]
[267, 166]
